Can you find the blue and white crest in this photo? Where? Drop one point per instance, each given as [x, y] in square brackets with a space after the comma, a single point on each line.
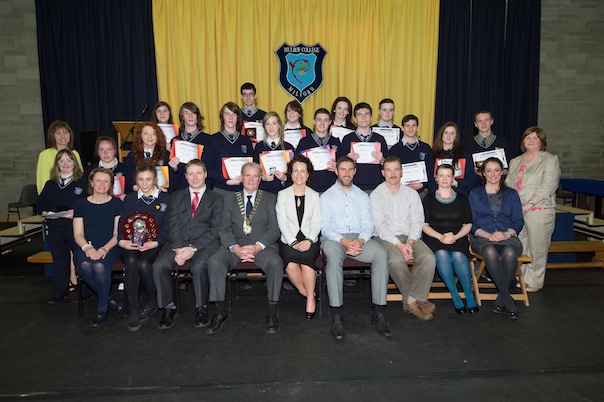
[301, 69]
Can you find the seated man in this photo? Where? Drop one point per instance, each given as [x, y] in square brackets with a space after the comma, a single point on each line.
[347, 229]
[194, 217]
[398, 216]
[249, 233]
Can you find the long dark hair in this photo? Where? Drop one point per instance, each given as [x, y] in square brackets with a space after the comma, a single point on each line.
[483, 181]
[438, 149]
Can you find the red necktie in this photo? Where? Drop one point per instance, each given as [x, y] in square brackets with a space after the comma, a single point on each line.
[194, 203]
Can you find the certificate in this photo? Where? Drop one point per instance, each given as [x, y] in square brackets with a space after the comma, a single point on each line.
[169, 131]
[185, 151]
[364, 149]
[460, 168]
[498, 153]
[392, 135]
[231, 167]
[320, 157]
[294, 136]
[253, 130]
[119, 183]
[339, 132]
[274, 160]
[163, 176]
[414, 172]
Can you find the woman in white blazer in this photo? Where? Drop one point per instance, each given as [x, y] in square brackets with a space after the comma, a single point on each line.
[299, 218]
[535, 175]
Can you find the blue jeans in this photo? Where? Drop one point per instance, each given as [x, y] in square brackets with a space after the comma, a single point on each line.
[449, 264]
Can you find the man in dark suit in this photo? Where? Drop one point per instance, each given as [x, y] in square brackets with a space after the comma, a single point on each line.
[249, 233]
[194, 218]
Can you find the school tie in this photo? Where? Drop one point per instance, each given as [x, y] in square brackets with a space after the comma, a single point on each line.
[147, 155]
[248, 206]
[273, 145]
[249, 113]
[484, 143]
[63, 180]
[194, 203]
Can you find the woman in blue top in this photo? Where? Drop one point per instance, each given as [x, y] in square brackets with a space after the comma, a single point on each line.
[497, 220]
[139, 256]
[95, 232]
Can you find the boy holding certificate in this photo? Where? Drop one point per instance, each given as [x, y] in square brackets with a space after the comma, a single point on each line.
[318, 142]
[366, 148]
[411, 150]
[485, 140]
[385, 127]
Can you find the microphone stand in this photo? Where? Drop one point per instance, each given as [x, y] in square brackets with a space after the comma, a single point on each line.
[131, 131]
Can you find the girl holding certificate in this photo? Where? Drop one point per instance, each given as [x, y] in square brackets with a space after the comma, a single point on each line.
[105, 150]
[60, 136]
[59, 195]
[497, 217]
[448, 148]
[95, 233]
[138, 254]
[274, 178]
[149, 143]
[299, 219]
[448, 220]
[191, 126]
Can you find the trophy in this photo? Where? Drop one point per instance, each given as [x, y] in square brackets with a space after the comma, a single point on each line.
[140, 227]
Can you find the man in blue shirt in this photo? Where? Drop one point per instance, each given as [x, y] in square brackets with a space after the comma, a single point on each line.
[347, 229]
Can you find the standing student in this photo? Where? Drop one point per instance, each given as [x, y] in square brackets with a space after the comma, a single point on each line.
[368, 175]
[105, 150]
[149, 144]
[250, 111]
[320, 137]
[228, 142]
[273, 180]
[162, 113]
[191, 126]
[60, 194]
[60, 136]
[341, 113]
[294, 117]
[411, 149]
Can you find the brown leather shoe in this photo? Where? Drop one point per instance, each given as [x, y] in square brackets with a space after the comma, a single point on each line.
[428, 306]
[415, 309]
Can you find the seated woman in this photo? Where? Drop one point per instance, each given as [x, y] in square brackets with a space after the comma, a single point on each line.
[60, 194]
[139, 254]
[95, 233]
[149, 143]
[299, 218]
[273, 180]
[105, 150]
[60, 136]
[448, 220]
[497, 217]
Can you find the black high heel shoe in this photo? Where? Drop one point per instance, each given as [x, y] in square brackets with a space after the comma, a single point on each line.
[462, 310]
[473, 310]
[310, 316]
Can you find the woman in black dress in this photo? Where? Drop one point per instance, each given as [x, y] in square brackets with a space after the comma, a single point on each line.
[138, 256]
[95, 232]
[56, 203]
[448, 220]
[299, 218]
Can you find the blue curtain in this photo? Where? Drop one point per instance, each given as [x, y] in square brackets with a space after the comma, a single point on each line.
[97, 61]
[488, 58]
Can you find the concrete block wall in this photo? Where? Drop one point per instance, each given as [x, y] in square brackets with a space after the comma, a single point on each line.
[571, 91]
[571, 87]
[21, 127]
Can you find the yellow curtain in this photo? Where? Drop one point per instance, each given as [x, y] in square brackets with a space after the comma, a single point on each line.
[375, 49]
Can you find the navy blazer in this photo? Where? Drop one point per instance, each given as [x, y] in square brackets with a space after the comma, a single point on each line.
[510, 215]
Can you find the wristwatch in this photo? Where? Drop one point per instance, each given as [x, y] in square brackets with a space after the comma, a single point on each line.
[511, 234]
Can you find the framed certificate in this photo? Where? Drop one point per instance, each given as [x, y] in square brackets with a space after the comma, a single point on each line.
[253, 130]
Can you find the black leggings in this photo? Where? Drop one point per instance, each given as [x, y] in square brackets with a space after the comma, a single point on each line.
[139, 271]
[502, 263]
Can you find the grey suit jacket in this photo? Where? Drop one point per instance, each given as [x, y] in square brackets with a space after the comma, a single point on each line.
[264, 223]
[541, 177]
[203, 229]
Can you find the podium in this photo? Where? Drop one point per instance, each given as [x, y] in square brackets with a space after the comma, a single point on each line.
[122, 128]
